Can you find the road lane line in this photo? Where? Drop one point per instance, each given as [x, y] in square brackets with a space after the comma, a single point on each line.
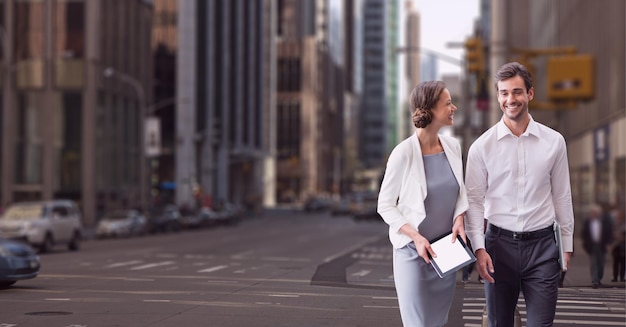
[122, 264]
[212, 269]
[153, 265]
[285, 259]
[158, 301]
[351, 249]
[57, 299]
[362, 273]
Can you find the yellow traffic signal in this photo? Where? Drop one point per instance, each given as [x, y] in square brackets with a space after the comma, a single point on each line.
[475, 55]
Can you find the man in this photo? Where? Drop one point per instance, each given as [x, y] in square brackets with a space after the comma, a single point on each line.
[517, 178]
[597, 238]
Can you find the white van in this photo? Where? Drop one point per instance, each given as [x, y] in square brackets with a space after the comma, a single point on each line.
[43, 224]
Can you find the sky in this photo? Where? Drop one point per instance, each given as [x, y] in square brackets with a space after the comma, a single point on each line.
[443, 22]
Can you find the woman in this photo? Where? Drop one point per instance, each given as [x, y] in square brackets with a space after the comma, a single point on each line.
[422, 196]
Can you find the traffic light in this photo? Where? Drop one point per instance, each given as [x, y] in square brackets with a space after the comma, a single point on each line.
[475, 55]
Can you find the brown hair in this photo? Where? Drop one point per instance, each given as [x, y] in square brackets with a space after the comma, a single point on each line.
[424, 98]
[511, 70]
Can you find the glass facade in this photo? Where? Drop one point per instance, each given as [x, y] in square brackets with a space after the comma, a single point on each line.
[69, 43]
[29, 139]
[28, 43]
[68, 146]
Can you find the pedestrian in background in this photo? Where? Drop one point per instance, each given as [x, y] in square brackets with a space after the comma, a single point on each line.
[517, 178]
[619, 246]
[597, 237]
[422, 196]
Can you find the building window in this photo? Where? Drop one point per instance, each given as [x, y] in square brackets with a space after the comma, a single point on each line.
[68, 143]
[28, 139]
[29, 31]
[288, 130]
[69, 29]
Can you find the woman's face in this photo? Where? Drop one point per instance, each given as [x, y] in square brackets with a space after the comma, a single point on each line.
[443, 112]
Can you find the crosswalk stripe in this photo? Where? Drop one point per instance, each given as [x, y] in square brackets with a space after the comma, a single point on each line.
[153, 265]
[212, 269]
[122, 264]
[573, 308]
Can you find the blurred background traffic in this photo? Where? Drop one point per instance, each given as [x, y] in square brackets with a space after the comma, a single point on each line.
[209, 109]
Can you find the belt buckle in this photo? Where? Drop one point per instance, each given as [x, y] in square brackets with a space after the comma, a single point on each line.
[517, 236]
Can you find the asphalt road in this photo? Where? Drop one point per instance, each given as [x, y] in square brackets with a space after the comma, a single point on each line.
[280, 269]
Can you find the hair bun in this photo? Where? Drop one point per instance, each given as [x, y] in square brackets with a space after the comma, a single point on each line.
[421, 117]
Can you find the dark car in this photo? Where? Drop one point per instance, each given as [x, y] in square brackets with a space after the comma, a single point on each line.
[165, 219]
[17, 261]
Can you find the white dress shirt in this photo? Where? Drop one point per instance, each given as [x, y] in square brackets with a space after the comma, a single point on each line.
[518, 183]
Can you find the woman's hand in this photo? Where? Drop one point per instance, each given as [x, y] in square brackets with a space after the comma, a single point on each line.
[458, 228]
[422, 245]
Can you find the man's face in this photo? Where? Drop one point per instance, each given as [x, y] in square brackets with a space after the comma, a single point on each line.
[513, 98]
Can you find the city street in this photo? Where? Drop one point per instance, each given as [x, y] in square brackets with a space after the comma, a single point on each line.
[280, 268]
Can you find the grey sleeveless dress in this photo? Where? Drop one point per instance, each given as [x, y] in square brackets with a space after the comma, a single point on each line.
[442, 192]
[432, 296]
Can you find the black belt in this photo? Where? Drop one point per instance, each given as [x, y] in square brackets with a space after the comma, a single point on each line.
[521, 235]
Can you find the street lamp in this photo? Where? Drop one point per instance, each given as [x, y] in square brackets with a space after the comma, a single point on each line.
[108, 73]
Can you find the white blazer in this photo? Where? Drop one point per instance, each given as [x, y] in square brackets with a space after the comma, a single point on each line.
[403, 190]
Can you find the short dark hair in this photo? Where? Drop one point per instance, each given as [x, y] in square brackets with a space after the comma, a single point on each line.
[424, 97]
[512, 69]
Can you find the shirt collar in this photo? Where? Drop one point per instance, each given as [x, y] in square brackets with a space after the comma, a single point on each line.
[502, 130]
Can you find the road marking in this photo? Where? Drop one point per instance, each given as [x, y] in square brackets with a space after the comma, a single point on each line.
[212, 269]
[153, 265]
[57, 299]
[362, 273]
[285, 259]
[590, 314]
[589, 322]
[122, 264]
[384, 297]
[242, 255]
[284, 295]
[158, 301]
[351, 249]
[128, 279]
[381, 306]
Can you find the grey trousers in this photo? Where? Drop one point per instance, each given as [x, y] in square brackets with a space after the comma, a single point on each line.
[423, 297]
[528, 265]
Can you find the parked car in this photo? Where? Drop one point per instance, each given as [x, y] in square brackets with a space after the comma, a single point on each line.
[121, 223]
[364, 206]
[341, 207]
[18, 261]
[313, 204]
[165, 219]
[43, 224]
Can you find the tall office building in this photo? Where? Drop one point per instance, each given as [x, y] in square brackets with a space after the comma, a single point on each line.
[310, 99]
[412, 55]
[223, 85]
[374, 107]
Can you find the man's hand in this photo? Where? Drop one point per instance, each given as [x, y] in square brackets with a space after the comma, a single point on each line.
[484, 264]
[568, 255]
